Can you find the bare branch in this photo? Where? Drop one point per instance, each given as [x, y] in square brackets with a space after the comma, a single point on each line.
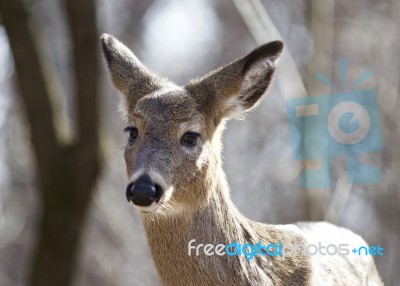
[32, 82]
[81, 17]
[263, 30]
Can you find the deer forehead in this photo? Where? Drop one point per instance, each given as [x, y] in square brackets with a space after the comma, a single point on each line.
[169, 106]
[169, 109]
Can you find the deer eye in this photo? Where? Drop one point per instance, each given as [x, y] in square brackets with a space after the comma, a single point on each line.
[190, 138]
[133, 133]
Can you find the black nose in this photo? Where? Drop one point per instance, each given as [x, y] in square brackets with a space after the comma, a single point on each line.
[143, 192]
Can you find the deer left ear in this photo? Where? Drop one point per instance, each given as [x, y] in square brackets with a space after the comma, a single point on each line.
[128, 74]
[239, 86]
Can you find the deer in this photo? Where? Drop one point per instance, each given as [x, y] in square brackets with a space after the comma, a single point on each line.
[176, 181]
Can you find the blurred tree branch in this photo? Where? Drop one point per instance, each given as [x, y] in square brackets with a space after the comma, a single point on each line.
[32, 83]
[263, 30]
[67, 172]
[323, 30]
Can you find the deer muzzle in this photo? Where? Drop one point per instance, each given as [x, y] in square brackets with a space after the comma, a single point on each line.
[143, 192]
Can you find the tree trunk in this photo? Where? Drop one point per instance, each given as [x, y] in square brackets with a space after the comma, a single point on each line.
[67, 172]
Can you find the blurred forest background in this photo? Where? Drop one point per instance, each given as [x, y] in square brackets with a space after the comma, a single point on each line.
[180, 40]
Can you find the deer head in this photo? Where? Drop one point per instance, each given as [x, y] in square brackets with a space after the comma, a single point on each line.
[173, 151]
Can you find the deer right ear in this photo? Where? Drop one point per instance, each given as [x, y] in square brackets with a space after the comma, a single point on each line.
[229, 91]
[128, 74]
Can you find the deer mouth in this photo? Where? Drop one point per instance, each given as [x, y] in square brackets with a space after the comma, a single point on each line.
[147, 210]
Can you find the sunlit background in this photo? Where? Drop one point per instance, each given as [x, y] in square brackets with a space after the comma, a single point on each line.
[184, 39]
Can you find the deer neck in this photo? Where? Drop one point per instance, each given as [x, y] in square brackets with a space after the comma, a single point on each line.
[214, 221]
[217, 221]
[217, 213]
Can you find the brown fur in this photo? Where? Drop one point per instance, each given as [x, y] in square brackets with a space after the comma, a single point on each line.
[196, 203]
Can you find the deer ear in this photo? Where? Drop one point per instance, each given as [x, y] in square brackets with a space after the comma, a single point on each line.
[239, 86]
[128, 74]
